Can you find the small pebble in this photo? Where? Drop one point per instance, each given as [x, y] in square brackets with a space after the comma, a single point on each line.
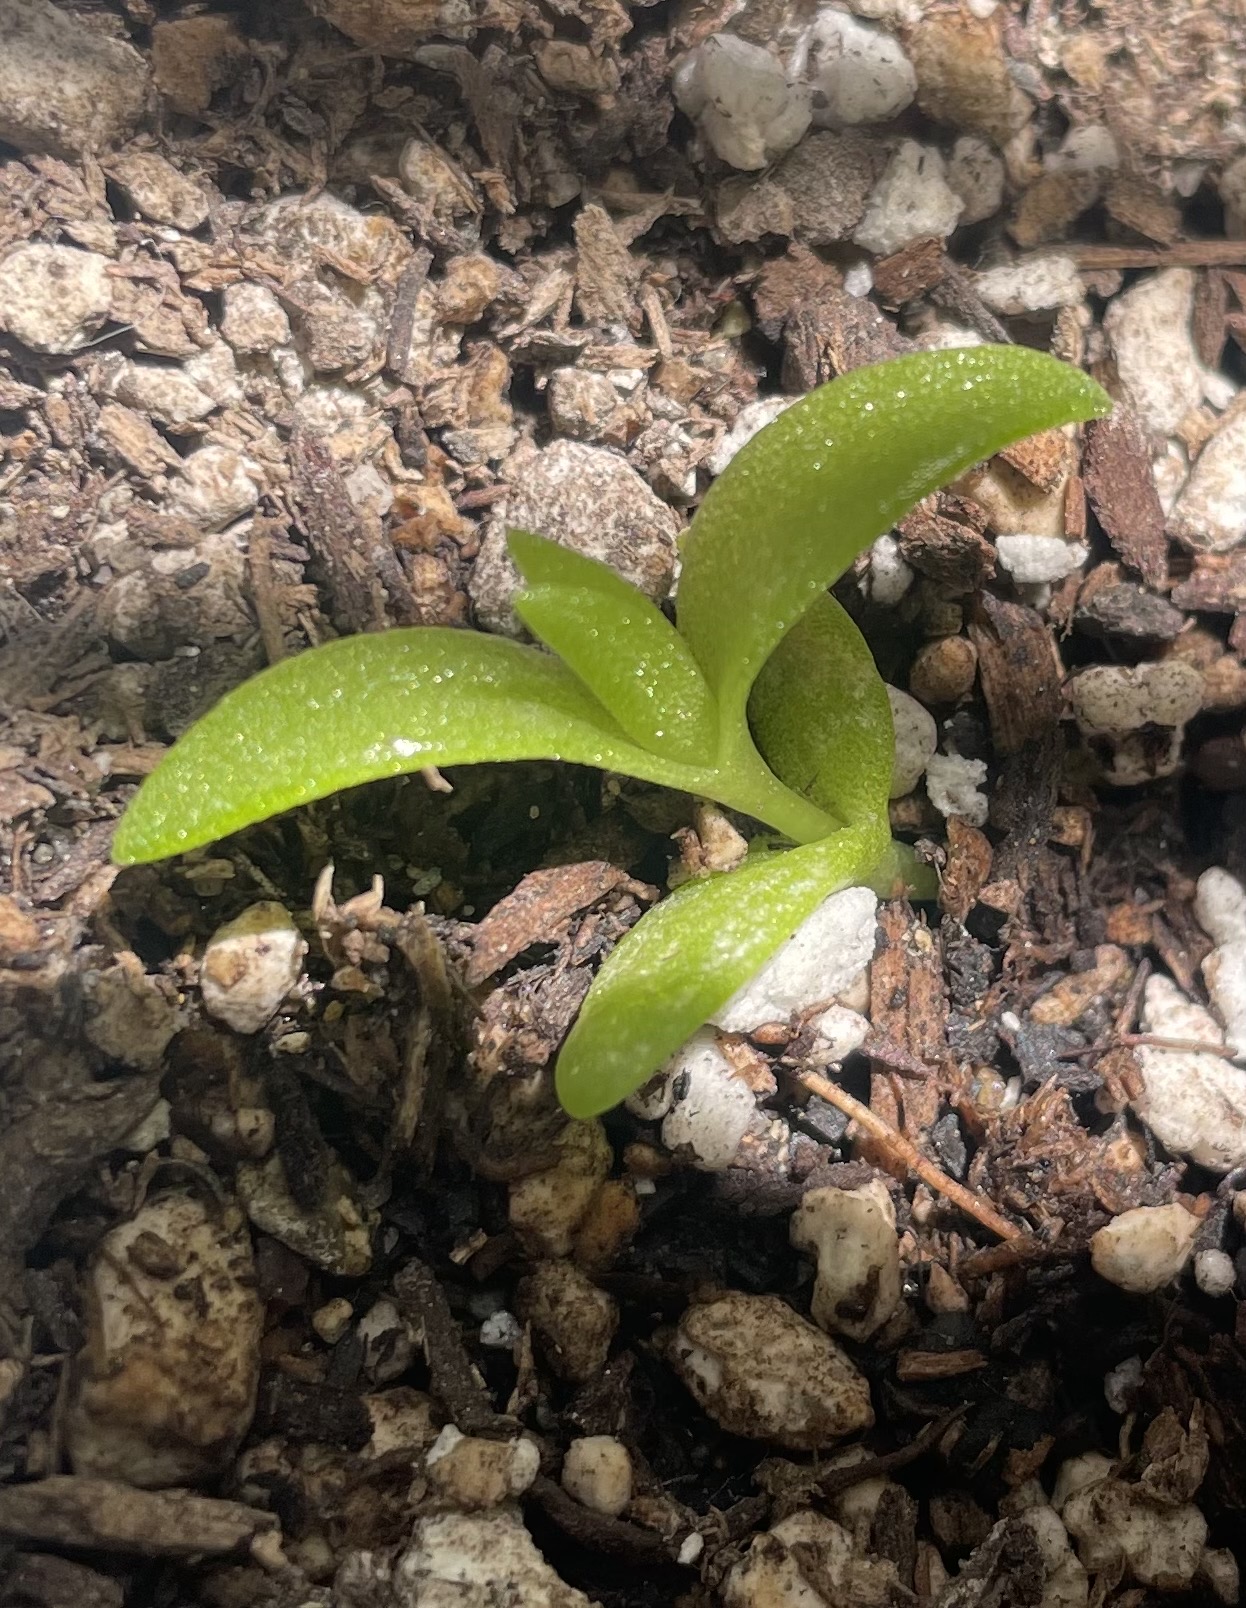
[164, 1388]
[573, 1319]
[890, 575]
[1194, 1103]
[762, 1371]
[823, 958]
[1218, 1566]
[500, 1331]
[589, 499]
[253, 320]
[807, 1560]
[1145, 1248]
[1032, 560]
[474, 1473]
[859, 73]
[215, 486]
[1037, 284]
[547, 1207]
[911, 201]
[852, 1233]
[1113, 698]
[53, 298]
[457, 1560]
[332, 1320]
[944, 671]
[1224, 972]
[156, 189]
[916, 738]
[1149, 329]
[752, 418]
[388, 1349]
[249, 966]
[1209, 514]
[953, 786]
[739, 95]
[975, 171]
[840, 1032]
[1122, 1384]
[712, 1109]
[1214, 1272]
[1220, 905]
[597, 1472]
[1089, 148]
[66, 87]
[580, 402]
[164, 391]
[1119, 1527]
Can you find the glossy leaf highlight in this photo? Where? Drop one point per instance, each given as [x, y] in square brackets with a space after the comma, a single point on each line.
[365, 707]
[686, 957]
[797, 504]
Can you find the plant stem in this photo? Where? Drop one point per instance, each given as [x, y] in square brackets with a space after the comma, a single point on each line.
[744, 782]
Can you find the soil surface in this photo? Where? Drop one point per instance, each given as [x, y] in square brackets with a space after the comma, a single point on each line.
[927, 1292]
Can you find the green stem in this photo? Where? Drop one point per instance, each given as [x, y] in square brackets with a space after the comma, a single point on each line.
[743, 781]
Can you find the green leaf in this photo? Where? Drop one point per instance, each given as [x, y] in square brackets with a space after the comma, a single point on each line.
[821, 716]
[686, 957]
[371, 706]
[838, 469]
[621, 646]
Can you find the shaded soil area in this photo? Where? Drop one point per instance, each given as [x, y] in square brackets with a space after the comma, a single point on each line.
[927, 1290]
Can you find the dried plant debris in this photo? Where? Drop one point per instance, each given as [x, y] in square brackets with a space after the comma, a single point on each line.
[917, 1276]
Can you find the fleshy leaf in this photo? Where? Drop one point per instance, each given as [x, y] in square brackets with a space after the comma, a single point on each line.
[797, 504]
[821, 716]
[621, 646]
[371, 706]
[688, 955]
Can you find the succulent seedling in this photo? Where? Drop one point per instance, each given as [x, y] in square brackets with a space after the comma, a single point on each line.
[762, 695]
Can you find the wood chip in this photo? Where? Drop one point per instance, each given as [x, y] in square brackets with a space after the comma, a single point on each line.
[1209, 324]
[912, 1367]
[1019, 671]
[968, 868]
[910, 272]
[605, 273]
[539, 909]
[786, 283]
[1217, 584]
[1121, 491]
[361, 570]
[66, 1511]
[908, 1009]
[1141, 206]
[954, 554]
[1043, 459]
[834, 335]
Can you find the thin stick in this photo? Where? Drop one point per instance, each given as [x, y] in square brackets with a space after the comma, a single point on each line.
[1150, 1041]
[975, 1205]
[1184, 254]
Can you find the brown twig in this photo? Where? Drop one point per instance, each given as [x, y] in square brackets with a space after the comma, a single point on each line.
[1150, 1041]
[1184, 254]
[970, 1202]
[838, 1480]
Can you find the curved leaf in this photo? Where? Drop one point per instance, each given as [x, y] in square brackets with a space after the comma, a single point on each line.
[370, 706]
[621, 646]
[688, 955]
[797, 504]
[821, 716]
